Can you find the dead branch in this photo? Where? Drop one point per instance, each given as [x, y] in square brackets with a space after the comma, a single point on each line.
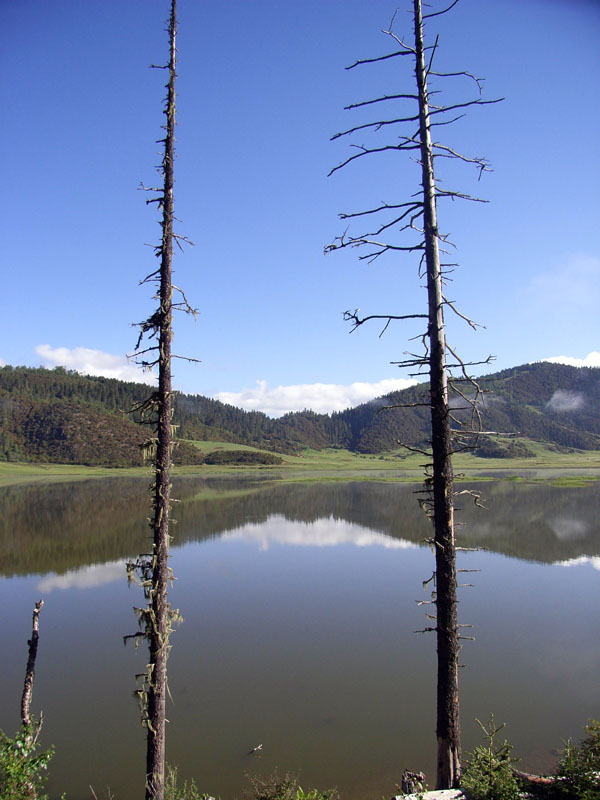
[377, 125]
[535, 780]
[186, 358]
[360, 62]
[470, 322]
[381, 100]
[446, 121]
[369, 151]
[439, 13]
[404, 405]
[352, 316]
[412, 205]
[418, 213]
[413, 449]
[450, 153]
[184, 305]
[460, 196]
[462, 74]
[466, 104]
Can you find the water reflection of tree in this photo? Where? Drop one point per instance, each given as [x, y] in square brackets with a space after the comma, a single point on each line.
[60, 527]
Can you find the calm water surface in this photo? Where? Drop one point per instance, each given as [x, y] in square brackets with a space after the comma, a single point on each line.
[300, 609]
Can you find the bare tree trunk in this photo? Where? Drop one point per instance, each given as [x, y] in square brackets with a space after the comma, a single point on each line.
[380, 237]
[160, 617]
[448, 726]
[152, 570]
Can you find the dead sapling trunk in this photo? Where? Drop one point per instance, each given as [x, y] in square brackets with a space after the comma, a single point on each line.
[152, 570]
[417, 217]
[30, 669]
[27, 777]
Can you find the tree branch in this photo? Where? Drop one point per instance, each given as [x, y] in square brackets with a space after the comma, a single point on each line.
[360, 62]
[439, 13]
[381, 100]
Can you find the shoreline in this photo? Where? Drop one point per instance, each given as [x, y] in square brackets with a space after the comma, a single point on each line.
[564, 472]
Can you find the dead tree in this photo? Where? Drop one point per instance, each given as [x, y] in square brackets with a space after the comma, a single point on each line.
[418, 216]
[152, 570]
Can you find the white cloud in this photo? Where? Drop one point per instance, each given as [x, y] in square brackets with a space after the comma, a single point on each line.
[93, 362]
[321, 533]
[591, 360]
[86, 578]
[320, 397]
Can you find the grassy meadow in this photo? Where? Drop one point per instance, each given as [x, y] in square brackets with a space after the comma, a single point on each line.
[568, 468]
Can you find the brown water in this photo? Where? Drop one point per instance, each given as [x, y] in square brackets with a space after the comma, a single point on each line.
[299, 608]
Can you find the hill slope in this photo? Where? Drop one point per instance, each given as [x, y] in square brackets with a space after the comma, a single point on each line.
[544, 402]
[63, 417]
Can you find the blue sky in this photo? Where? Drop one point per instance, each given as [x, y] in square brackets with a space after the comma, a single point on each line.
[262, 88]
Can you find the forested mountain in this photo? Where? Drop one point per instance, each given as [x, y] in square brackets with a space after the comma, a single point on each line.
[543, 402]
[64, 417]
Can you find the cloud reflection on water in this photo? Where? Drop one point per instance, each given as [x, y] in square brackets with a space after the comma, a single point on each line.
[594, 561]
[325, 532]
[86, 578]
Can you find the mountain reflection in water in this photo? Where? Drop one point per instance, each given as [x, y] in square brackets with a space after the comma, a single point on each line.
[59, 528]
[299, 612]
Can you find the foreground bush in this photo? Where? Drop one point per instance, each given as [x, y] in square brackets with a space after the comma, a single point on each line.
[22, 768]
[578, 774]
[286, 787]
[488, 773]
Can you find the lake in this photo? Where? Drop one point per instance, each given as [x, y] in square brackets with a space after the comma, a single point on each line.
[300, 603]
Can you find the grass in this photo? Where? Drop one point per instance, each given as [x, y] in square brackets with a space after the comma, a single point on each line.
[21, 472]
[333, 459]
[548, 465]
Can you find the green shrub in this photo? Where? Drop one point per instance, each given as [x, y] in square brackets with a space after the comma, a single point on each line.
[241, 457]
[579, 767]
[315, 794]
[276, 787]
[488, 773]
[273, 787]
[22, 769]
[189, 791]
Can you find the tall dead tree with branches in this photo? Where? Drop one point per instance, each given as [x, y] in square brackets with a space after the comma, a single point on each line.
[152, 569]
[418, 216]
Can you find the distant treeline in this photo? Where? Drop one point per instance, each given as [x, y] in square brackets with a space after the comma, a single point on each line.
[63, 417]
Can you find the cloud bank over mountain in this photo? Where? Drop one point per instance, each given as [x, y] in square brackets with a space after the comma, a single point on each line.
[591, 360]
[320, 397]
[93, 362]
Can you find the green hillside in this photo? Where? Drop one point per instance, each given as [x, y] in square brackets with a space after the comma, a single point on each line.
[66, 418]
